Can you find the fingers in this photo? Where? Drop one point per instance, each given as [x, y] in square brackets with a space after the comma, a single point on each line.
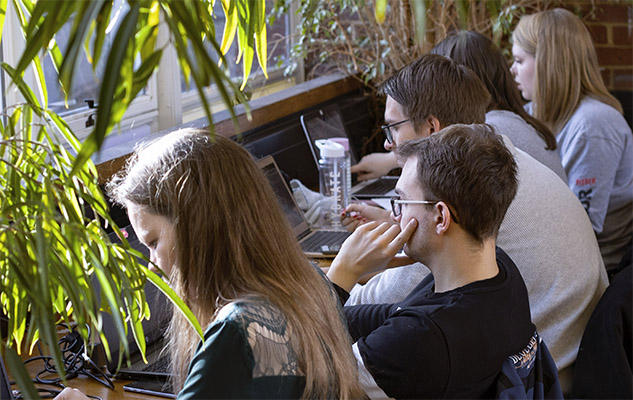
[357, 168]
[406, 233]
[352, 216]
[350, 224]
[363, 177]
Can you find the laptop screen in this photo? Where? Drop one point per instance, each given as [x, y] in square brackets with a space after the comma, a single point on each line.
[154, 328]
[284, 197]
[5, 387]
[325, 123]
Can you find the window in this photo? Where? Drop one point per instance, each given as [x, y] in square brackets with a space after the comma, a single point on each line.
[165, 103]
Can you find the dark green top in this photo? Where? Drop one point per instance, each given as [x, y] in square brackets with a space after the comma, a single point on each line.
[246, 354]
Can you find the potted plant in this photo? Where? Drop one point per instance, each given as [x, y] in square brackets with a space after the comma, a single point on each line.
[53, 213]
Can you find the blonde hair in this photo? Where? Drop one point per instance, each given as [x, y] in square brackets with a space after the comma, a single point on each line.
[234, 242]
[566, 65]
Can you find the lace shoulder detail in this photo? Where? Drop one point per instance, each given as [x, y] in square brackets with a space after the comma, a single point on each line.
[268, 334]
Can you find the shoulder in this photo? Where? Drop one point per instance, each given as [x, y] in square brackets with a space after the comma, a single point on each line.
[499, 117]
[597, 120]
[253, 311]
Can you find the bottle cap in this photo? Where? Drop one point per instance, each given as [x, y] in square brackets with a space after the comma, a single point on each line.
[342, 141]
[328, 148]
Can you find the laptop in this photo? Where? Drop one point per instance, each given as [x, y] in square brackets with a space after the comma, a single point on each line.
[314, 242]
[326, 123]
[154, 330]
[5, 384]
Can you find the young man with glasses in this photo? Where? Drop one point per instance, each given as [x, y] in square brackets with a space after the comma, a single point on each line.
[451, 335]
[546, 231]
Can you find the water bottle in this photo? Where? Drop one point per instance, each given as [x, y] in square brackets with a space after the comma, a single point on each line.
[332, 183]
[348, 164]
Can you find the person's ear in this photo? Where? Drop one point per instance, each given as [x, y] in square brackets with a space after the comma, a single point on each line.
[442, 218]
[434, 123]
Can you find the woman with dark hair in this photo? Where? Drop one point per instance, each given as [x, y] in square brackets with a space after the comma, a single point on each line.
[274, 328]
[505, 111]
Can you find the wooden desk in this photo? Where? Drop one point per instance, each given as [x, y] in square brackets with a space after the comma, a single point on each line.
[88, 385]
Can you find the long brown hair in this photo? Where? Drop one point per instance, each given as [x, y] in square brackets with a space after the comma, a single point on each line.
[566, 65]
[480, 54]
[234, 242]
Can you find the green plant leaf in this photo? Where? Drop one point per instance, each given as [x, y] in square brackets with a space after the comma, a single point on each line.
[103, 19]
[261, 41]
[380, 10]
[3, 14]
[20, 374]
[169, 292]
[87, 13]
[230, 26]
[111, 80]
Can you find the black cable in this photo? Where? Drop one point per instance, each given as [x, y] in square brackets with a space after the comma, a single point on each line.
[75, 363]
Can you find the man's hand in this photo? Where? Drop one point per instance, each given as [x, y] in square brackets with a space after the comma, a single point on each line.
[374, 165]
[357, 214]
[372, 247]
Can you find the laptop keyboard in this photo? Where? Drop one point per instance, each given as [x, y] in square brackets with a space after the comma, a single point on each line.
[324, 241]
[379, 186]
[160, 365]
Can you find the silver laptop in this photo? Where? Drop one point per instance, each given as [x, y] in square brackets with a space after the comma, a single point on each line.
[314, 242]
[326, 123]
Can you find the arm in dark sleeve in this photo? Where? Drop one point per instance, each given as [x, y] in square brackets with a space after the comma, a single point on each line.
[407, 356]
[343, 295]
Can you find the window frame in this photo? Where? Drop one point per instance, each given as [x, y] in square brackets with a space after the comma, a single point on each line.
[163, 106]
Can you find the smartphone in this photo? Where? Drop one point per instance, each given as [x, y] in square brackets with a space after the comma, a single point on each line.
[155, 388]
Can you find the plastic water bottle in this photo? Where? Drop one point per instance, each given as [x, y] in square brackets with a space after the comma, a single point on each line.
[332, 183]
[348, 164]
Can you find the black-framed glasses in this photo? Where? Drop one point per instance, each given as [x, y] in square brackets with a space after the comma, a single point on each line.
[396, 204]
[387, 129]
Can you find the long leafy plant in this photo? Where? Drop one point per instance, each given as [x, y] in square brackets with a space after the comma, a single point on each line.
[370, 39]
[53, 246]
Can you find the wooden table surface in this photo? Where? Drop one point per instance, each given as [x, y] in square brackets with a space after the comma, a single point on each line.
[87, 385]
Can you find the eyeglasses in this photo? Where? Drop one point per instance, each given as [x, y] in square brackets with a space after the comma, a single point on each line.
[387, 129]
[396, 204]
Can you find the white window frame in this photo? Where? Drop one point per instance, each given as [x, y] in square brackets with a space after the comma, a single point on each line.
[162, 107]
[142, 110]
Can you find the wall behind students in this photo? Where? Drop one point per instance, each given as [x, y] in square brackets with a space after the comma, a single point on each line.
[611, 25]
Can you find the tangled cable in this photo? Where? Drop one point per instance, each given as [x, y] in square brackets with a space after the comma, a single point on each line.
[75, 363]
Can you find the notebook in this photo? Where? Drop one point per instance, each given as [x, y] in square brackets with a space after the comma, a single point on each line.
[326, 123]
[154, 329]
[314, 242]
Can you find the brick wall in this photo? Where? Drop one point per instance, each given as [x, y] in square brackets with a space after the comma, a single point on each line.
[611, 25]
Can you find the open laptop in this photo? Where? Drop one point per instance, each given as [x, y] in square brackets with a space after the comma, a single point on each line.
[5, 384]
[314, 242]
[326, 123]
[154, 330]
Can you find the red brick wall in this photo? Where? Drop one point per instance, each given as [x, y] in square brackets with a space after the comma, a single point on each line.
[611, 25]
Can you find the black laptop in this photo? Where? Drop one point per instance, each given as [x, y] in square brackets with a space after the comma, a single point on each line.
[134, 367]
[327, 123]
[5, 385]
[314, 242]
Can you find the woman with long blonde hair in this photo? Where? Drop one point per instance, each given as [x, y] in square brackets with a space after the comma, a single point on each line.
[556, 68]
[274, 327]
